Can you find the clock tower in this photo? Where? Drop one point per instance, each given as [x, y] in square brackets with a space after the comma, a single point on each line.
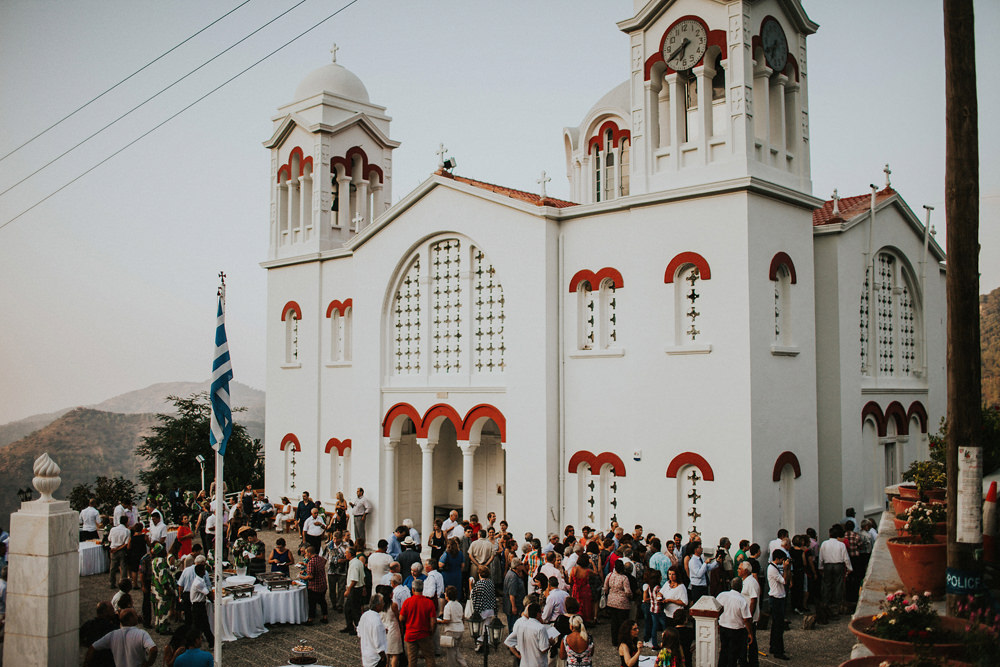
[718, 91]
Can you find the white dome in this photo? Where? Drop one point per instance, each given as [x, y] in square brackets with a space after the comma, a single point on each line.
[617, 98]
[333, 78]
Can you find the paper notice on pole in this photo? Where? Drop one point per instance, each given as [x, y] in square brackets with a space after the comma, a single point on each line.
[969, 511]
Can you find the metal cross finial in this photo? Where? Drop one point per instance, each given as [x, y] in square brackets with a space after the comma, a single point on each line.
[836, 203]
[441, 151]
[222, 287]
[542, 180]
[333, 52]
[887, 172]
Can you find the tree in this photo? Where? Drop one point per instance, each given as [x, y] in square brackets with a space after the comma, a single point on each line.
[108, 491]
[178, 439]
[989, 436]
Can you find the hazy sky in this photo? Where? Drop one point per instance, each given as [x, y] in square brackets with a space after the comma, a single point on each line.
[109, 285]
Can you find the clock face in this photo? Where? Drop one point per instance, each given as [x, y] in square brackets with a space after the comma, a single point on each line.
[775, 45]
[684, 45]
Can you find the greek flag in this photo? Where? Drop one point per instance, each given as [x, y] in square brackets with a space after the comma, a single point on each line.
[222, 373]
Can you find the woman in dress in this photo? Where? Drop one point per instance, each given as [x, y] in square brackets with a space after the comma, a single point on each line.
[185, 536]
[390, 620]
[655, 621]
[577, 648]
[484, 600]
[618, 593]
[674, 598]
[284, 518]
[451, 618]
[450, 564]
[629, 645]
[164, 589]
[579, 578]
[136, 550]
[340, 513]
[437, 541]
[280, 558]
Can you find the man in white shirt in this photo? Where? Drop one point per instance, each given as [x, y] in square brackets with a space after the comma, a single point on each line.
[399, 591]
[751, 593]
[89, 517]
[379, 562]
[529, 642]
[119, 512]
[555, 601]
[201, 593]
[118, 538]
[452, 527]
[133, 515]
[734, 624]
[835, 564]
[185, 583]
[778, 543]
[130, 646]
[551, 570]
[313, 530]
[360, 511]
[433, 583]
[157, 530]
[371, 632]
[778, 575]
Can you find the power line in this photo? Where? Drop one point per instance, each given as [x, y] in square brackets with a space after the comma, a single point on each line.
[158, 126]
[151, 62]
[153, 97]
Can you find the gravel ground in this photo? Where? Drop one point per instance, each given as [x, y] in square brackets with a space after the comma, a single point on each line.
[826, 645]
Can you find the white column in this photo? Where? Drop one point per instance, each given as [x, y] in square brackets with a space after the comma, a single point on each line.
[426, 485]
[362, 200]
[761, 108]
[305, 203]
[293, 210]
[389, 478]
[704, 76]
[378, 203]
[344, 202]
[706, 613]
[678, 118]
[468, 476]
[777, 114]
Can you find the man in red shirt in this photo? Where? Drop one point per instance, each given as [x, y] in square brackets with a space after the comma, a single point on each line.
[419, 614]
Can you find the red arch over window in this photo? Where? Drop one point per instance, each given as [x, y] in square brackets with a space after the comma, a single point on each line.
[897, 411]
[400, 409]
[294, 307]
[918, 410]
[616, 136]
[872, 408]
[596, 462]
[582, 456]
[340, 306]
[347, 163]
[786, 459]
[340, 445]
[595, 279]
[291, 439]
[286, 168]
[690, 458]
[687, 258]
[479, 411]
[776, 261]
[440, 410]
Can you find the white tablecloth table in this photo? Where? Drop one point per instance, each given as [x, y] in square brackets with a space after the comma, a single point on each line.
[284, 606]
[171, 538]
[240, 618]
[93, 559]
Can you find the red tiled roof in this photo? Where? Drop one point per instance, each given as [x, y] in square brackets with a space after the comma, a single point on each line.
[529, 197]
[849, 207]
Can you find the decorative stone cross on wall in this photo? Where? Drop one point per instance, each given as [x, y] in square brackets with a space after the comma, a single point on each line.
[441, 152]
[542, 180]
[694, 478]
[887, 173]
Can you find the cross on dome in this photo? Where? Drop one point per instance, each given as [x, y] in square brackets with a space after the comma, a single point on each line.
[542, 180]
[333, 52]
[887, 172]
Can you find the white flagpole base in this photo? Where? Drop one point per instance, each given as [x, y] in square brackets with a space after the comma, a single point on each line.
[219, 536]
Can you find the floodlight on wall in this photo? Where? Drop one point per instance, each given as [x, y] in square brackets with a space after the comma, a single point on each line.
[450, 164]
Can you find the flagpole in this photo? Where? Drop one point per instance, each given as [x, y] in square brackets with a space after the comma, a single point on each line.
[221, 428]
[219, 529]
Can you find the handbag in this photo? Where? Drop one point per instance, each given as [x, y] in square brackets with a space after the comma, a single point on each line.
[447, 641]
[603, 602]
[469, 609]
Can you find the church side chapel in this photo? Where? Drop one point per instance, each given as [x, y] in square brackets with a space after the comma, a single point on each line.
[694, 342]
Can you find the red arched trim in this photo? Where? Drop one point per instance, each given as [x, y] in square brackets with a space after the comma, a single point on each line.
[479, 411]
[715, 38]
[291, 306]
[595, 279]
[872, 408]
[687, 258]
[786, 459]
[286, 168]
[690, 458]
[582, 456]
[616, 136]
[917, 410]
[897, 411]
[340, 306]
[340, 445]
[291, 439]
[400, 409]
[776, 261]
[607, 457]
[440, 410]
[347, 163]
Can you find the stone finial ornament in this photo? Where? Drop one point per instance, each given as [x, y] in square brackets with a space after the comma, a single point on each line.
[47, 478]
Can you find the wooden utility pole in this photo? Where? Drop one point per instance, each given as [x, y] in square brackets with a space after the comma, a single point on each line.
[964, 455]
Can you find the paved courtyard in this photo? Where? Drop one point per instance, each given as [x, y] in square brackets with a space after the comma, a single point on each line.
[826, 645]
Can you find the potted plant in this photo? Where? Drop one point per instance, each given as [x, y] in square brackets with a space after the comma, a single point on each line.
[921, 514]
[908, 626]
[928, 479]
[982, 634]
[919, 558]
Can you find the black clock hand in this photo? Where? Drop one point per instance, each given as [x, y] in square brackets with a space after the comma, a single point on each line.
[679, 49]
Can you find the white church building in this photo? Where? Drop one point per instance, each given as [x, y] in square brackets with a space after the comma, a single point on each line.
[694, 341]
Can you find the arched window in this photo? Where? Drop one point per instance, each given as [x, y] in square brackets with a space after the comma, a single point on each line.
[608, 503]
[587, 316]
[609, 166]
[489, 317]
[890, 323]
[623, 171]
[690, 498]
[687, 318]
[691, 124]
[340, 333]
[291, 316]
[870, 444]
[786, 497]
[598, 167]
[609, 315]
[782, 306]
[406, 323]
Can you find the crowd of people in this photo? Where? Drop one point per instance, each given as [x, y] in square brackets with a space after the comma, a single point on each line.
[412, 594]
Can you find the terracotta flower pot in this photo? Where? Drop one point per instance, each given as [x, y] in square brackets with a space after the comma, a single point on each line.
[921, 567]
[909, 492]
[940, 529]
[876, 660]
[937, 493]
[900, 505]
[889, 647]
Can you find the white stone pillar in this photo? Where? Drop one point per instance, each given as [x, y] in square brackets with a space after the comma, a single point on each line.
[293, 210]
[777, 114]
[761, 108]
[305, 203]
[468, 477]
[706, 613]
[426, 486]
[678, 118]
[43, 594]
[389, 479]
[378, 202]
[344, 202]
[362, 200]
[704, 75]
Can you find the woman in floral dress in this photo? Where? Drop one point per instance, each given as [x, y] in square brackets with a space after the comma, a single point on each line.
[164, 588]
